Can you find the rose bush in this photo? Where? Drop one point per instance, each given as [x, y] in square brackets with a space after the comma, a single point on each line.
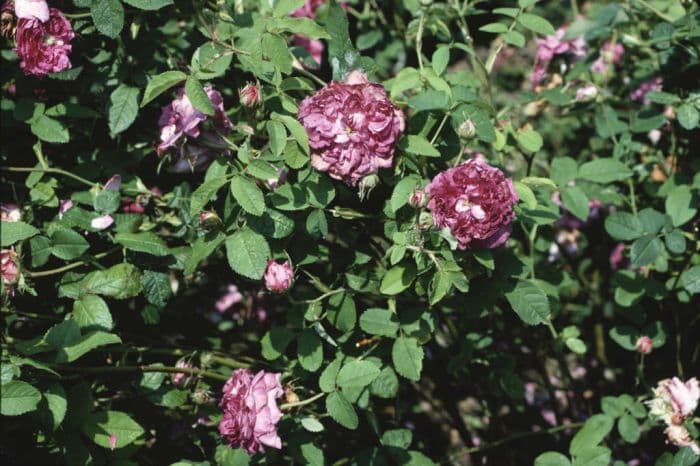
[317, 232]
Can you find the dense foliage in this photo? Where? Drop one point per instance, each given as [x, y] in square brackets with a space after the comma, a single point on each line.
[376, 232]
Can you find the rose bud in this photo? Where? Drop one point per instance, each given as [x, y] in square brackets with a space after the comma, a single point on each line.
[417, 199]
[278, 277]
[10, 213]
[10, 268]
[289, 395]
[644, 345]
[249, 95]
[467, 130]
[210, 221]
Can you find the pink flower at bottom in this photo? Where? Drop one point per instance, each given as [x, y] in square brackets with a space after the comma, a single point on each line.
[278, 277]
[250, 412]
[475, 202]
[679, 436]
[64, 205]
[112, 441]
[43, 47]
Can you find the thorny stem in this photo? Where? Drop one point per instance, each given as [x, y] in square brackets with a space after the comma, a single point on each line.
[439, 129]
[65, 268]
[143, 369]
[57, 171]
[419, 40]
[297, 404]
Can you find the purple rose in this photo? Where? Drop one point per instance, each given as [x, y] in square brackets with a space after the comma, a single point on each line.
[43, 47]
[640, 94]
[352, 127]
[475, 201]
[278, 277]
[552, 46]
[250, 410]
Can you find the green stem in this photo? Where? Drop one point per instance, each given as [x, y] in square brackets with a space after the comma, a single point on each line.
[654, 10]
[419, 40]
[311, 76]
[491, 59]
[307, 401]
[324, 296]
[142, 369]
[633, 197]
[57, 171]
[574, 8]
[439, 129]
[65, 268]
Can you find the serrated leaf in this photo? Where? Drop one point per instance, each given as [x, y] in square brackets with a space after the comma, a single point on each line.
[342, 412]
[50, 130]
[605, 170]
[12, 232]
[357, 374]
[247, 253]
[198, 96]
[407, 357]
[91, 312]
[85, 344]
[536, 23]
[68, 244]
[18, 397]
[596, 428]
[123, 108]
[100, 426]
[120, 281]
[108, 16]
[379, 322]
[248, 195]
[310, 350]
[529, 302]
[397, 279]
[146, 242]
[150, 5]
[418, 145]
[161, 83]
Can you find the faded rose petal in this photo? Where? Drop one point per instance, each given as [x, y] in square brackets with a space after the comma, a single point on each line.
[475, 202]
[64, 205]
[43, 47]
[250, 412]
[640, 94]
[10, 212]
[101, 223]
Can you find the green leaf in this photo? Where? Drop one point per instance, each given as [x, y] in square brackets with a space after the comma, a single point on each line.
[398, 279]
[576, 201]
[50, 130]
[296, 129]
[310, 350]
[402, 191]
[342, 412]
[123, 108]
[248, 195]
[440, 60]
[596, 428]
[108, 16]
[312, 424]
[12, 232]
[341, 312]
[357, 374]
[275, 48]
[552, 458]
[211, 60]
[604, 171]
[57, 403]
[85, 344]
[274, 343]
[691, 280]
[285, 7]
[688, 116]
[342, 56]
[278, 136]
[40, 247]
[161, 83]
[150, 5]
[485, 130]
[379, 322]
[262, 170]
[418, 145]
[529, 302]
[248, 253]
[202, 248]
[623, 226]
[91, 312]
[120, 281]
[594, 456]
[198, 96]
[514, 38]
[407, 356]
[100, 426]
[68, 244]
[146, 242]
[685, 457]
[675, 242]
[397, 438]
[272, 224]
[18, 397]
[529, 139]
[628, 427]
[494, 28]
[536, 23]
[204, 193]
[645, 250]
[386, 385]
[107, 201]
[680, 206]
[156, 287]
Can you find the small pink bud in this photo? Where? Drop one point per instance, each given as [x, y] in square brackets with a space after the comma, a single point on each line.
[10, 269]
[417, 199]
[249, 95]
[101, 223]
[180, 378]
[112, 441]
[278, 277]
[209, 220]
[64, 206]
[644, 345]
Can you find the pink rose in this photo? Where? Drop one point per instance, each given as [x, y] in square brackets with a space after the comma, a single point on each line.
[228, 299]
[180, 378]
[640, 94]
[352, 127]
[10, 212]
[278, 277]
[43, 47]
[675, 400]
[10, 269]
[644, 345]
[250, 410]
[249, 95]
[586, 93]
[552, 46]
[475, 202]
[29, 9]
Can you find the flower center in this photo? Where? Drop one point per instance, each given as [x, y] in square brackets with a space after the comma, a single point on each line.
[475, 210]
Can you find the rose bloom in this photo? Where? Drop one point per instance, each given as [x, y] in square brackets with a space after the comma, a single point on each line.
[250, 411]
[10, 212]
[10, 269]
[609, 54]
[352, 127]
[28, 9]
[675, 400]
[43, 47]
[552, 46]
[278, 277]
[475, 201]
[181, 131]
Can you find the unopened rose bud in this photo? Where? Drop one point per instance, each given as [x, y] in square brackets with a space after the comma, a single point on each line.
[290, 396]
[367, 184]
[417, 199]
[278, 277]
[210, 221]
[201, 397]
[644, 345]
[249, 95]
[425, 220]
[586, 94]
[467, 130]
[181, 378]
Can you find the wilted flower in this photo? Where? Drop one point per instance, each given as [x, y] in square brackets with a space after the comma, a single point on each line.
[180, 378]
[114, 183]
[10, 212]
[181, 135]
[352, 127]
[10, 268]
[43, 47]
[675, 400]
[228, 299]
[644, 344]
[552, 46]
[467, 129]
[475, 201]
[640, 94]
[101, 223]
[249, 95]
[278, 277]
[250, 412]
[679, 436]
[28, 9]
